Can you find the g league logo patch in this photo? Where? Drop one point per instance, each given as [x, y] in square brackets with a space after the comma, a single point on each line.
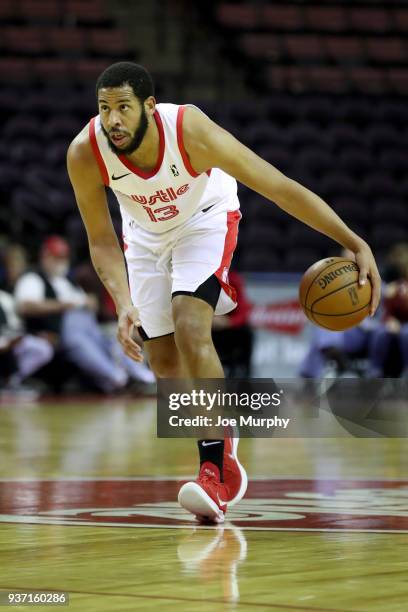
[276, 505]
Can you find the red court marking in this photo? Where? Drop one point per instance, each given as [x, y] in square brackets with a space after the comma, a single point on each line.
[284, 505]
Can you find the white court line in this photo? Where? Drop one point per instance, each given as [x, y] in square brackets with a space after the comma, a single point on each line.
[33, 520]
[193, 477]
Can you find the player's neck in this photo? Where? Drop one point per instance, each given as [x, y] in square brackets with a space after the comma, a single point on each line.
[147, 154]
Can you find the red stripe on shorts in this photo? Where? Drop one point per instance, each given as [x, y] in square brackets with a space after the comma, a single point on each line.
[231, 237]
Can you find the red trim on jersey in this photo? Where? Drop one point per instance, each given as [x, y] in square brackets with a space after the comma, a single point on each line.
[180, 142]
[231, 237]
[145, 175]
[97, 153]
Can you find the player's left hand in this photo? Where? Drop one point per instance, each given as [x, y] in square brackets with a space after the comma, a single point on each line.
[128, 322]
[368, 268]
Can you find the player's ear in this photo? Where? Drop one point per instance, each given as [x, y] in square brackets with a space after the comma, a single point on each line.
[150, 105]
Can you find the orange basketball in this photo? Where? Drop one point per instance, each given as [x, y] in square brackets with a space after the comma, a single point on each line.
[331, 296]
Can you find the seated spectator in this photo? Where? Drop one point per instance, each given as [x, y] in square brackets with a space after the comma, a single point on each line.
[337, 347]
[21, 355]
[233, 336]
[394, 329]
[15, 263]
[55, 309]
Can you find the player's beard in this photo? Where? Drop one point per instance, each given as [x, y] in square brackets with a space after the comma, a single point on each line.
[135, 142]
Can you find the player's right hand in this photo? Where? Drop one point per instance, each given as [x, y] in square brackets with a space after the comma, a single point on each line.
[128, 321]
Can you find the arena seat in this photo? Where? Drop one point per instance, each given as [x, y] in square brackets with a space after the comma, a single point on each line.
[384, 235]
[385, 209]
[369, 20]
[326, 18]
[299, 259]
[355, 162]
[68, 41]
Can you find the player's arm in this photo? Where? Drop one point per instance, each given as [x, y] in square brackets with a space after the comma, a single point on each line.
[104, 248]
[209, 146]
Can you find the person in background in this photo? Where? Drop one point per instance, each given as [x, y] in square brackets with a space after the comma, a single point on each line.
[393, 331]
[55, 309]
[21, 354]
[14, 263]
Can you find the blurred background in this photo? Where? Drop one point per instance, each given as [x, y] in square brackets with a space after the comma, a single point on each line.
[318, 89]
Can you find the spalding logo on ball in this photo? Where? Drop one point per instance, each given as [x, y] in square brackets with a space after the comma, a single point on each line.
[331, 296]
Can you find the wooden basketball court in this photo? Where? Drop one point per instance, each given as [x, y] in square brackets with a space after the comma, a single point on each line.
[87, 506]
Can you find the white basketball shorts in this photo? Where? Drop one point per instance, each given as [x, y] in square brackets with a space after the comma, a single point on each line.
[181, 259]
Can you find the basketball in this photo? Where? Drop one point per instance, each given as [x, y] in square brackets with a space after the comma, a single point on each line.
[330, 295]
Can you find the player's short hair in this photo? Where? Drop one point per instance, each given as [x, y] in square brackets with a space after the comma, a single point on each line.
[127, 73]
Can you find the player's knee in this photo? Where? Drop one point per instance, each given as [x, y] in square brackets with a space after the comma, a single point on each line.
[165, 366]
[192, 337]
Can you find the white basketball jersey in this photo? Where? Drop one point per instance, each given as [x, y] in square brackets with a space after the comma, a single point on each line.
[172, 192]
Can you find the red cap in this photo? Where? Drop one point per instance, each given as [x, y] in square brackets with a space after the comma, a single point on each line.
[55, 246]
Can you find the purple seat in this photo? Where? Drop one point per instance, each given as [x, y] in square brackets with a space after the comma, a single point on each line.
[352, 210]
[326, 18]
[337, 184]
[356, 163]
[25, 41]
[394, 163]
[385, 236]
[283, 111]
[108, 43]
[303, 48]
[344, 135]
[305, 134]
[258, 260]
[22, 127]
[262, 213]
[25, 150]
[235, 16]
[10, 175]
[358, 113]
[41, 179]
[384, 136]
[56, 153]
[277, 156]
[343, 50]
[30, 213]
[285, 18]
[299, 259]
[318, 110]
[394, 112]
[301, 236]
[263, 133]
[62, 128]
[242, 113]
[380, 186]
[386, 210]
[369, 20]
[15, 70]
[314, 162]
[10, 102]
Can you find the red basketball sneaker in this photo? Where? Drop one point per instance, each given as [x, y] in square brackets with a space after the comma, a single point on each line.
[234, 475]
[206, 498]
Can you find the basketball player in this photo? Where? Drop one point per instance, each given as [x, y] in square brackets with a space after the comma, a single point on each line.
[174, 174]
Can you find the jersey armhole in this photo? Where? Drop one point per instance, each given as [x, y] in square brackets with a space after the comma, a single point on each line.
[180, 142]
[97, 153]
